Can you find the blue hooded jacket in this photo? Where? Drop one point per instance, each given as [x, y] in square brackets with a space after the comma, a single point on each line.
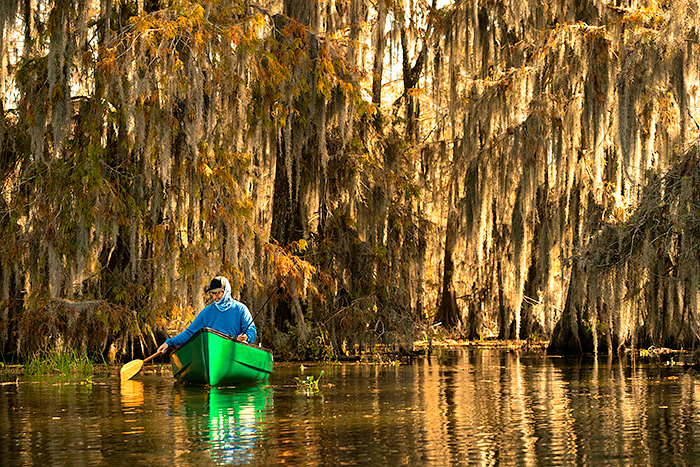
[227, 315]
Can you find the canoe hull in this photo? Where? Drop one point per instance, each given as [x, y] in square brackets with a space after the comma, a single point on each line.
[211, 358]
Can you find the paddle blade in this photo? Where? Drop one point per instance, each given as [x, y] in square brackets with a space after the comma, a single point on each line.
[130, 369]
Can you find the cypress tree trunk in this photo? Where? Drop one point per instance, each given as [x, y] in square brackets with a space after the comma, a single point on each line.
[379, 43]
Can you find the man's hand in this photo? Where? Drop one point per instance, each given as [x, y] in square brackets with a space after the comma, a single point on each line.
[242, 338]
[163, 347]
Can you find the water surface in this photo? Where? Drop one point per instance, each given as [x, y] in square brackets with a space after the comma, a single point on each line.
[477, 407]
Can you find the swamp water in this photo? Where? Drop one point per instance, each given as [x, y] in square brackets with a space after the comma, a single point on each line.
[460, 407]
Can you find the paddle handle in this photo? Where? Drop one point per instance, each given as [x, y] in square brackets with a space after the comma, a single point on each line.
[151, 357]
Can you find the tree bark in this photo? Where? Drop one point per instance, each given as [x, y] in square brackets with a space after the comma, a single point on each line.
[379, 41]
[411, 74]
[448, 311]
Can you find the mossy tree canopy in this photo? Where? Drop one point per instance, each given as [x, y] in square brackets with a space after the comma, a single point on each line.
[408, 162]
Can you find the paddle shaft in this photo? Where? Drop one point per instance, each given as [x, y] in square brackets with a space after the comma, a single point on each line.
[133, 367]
[151, 357]
[279, 284]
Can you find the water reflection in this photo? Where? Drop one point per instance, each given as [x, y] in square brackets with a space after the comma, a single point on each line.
[131, 394]
[229, 422]
[463, 407]
[132, 401]
[506, 409]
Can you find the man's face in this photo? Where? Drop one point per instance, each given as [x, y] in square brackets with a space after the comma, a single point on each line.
[217, 295]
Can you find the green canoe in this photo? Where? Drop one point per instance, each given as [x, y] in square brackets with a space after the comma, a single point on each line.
[212, 358]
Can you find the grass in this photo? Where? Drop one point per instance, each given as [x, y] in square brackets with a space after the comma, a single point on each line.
[59, 362]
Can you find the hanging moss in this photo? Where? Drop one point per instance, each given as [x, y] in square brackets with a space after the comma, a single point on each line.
[468, 165]
[640, 274]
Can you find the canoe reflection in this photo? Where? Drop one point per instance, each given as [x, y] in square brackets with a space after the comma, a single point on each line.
[230, 420]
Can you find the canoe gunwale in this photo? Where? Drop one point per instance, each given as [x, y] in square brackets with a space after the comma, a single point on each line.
[223, 336]
[254, 363]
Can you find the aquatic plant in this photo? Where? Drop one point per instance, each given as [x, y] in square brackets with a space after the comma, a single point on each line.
[59, 361]
[309, 385]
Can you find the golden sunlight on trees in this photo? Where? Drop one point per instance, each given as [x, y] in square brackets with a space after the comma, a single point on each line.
[480, 164]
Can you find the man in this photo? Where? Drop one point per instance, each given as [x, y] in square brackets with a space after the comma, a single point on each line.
[224, 315]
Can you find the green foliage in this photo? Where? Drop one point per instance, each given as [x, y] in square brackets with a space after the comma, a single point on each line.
[295, 347]
[309, 385]
[59, 361]
[294, 73]
[151, 185]
[65, 324]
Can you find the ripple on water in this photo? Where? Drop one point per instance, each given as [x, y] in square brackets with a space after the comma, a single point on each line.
[467, 407]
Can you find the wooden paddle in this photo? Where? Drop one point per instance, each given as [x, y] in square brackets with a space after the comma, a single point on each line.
[134, 366]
